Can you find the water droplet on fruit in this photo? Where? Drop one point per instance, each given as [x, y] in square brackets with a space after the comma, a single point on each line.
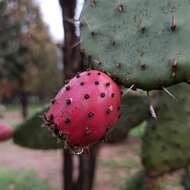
[77, 150]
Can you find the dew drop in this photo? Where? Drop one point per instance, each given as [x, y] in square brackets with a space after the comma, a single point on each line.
[77, 150]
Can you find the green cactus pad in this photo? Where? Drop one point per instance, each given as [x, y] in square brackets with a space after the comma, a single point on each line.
[138, 182]
[30, 134]
[185, 180]
[140, 42]
[134, 110]
[166, 143]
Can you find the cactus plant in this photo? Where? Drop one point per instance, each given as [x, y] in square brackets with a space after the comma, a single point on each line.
[134, 110]
[30, 134]
[166, 142]
[139, 181]
[139, 42]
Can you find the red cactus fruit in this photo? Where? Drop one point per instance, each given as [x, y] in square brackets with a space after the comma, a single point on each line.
[5, 132]
[85, 109]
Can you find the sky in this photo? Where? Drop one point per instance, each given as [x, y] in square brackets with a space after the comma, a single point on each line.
[51, 14]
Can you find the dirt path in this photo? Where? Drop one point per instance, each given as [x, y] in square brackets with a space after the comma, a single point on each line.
[115, 163]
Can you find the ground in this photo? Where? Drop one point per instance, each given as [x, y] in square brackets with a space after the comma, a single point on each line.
[115, 163]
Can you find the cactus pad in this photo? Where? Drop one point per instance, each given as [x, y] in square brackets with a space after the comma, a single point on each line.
[140, 42]
[166, 142]
[30, 134]
[134, 110]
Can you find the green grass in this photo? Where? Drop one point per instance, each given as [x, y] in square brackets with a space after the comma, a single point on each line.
[21, 180]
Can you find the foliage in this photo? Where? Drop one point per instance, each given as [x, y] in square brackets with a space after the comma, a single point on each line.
[25, 180]
[26, 50]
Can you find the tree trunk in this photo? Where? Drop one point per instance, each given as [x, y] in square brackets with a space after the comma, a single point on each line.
[71, 61]
[23, 95]
[72, 64]
[87, 166]
[67, 170]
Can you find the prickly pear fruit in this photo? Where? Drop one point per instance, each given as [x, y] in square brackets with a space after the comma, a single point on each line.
[85, 109]
[5, 132]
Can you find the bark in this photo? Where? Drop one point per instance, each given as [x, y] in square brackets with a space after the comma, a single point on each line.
[23, 95]
[73, 62]
[87, 168]
[67, 170]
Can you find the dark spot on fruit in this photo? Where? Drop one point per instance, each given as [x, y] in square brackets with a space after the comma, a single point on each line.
[121, 92]
[107, 84]
[96, 83]
[82, 83]
[68, 101]
[68, 88]
[118, 108]
[109, 111]
[67, 120]
[119, 116]
[98, 73]
[77, 75]
[90, 114]
[86, 96]
[88, 74]
[102, 95]
[107, 129]
[112, 95]
[51, 117]
[53, 101]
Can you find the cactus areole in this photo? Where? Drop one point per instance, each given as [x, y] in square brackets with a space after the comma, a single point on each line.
[85, 109]
[5, 132]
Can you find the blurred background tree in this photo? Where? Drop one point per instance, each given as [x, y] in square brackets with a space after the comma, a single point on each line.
[28, 57]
